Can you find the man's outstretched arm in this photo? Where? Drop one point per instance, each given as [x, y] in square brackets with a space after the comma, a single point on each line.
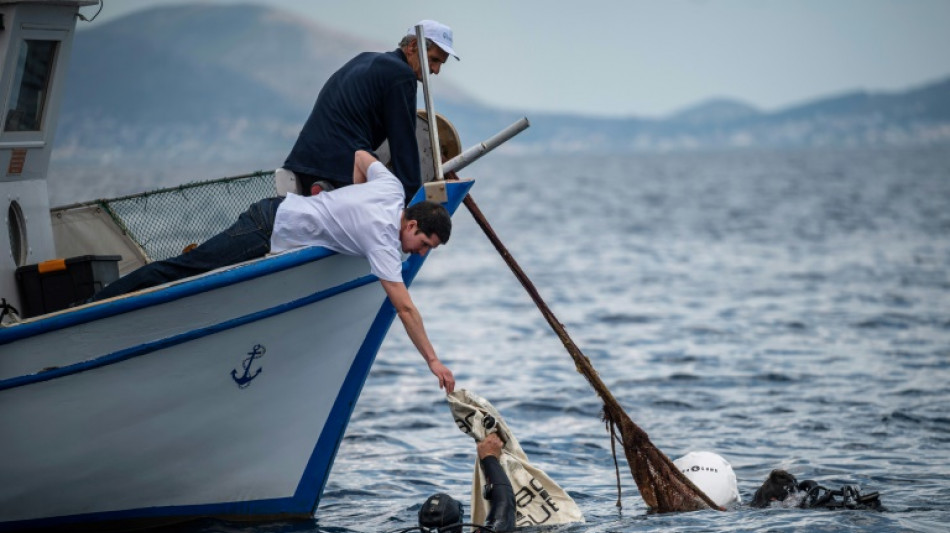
[412, 321]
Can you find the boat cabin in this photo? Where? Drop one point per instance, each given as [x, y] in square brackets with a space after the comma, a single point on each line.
[35, 42]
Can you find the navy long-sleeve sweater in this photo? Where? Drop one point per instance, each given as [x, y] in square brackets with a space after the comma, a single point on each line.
[370, 99]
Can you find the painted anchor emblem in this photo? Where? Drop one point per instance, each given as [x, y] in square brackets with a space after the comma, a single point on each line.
[256, 353]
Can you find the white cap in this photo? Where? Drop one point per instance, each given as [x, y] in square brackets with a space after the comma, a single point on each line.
[711, 474]
[439, 33]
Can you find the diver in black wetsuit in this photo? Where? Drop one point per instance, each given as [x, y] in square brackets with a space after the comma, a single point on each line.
[443, 514]
[780, 485]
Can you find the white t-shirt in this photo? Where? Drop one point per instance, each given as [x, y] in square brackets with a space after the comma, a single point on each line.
[358, 219]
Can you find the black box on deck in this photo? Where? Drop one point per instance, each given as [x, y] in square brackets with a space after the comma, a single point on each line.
[53, 285]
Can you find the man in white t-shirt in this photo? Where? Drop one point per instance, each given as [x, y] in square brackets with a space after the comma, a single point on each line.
[370, 221]
[367, 220]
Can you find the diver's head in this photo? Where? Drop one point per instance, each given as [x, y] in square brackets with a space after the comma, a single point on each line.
[439, 511]
[776, 488]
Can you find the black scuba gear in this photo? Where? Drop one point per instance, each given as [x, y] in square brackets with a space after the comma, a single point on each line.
[847, 497]
[780, 484]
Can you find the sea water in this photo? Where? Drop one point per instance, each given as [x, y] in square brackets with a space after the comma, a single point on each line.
[785, 309]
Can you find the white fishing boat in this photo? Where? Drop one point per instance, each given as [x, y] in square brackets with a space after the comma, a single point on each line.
[226, 394]
[222, 395]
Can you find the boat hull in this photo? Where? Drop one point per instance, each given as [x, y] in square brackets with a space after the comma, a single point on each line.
[226, 395]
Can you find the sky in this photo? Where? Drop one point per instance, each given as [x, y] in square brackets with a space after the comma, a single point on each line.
[651, 58]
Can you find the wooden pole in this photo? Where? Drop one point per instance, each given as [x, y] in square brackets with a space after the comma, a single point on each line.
[662, 486]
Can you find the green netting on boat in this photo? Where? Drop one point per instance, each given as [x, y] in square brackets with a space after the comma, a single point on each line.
[165, 221]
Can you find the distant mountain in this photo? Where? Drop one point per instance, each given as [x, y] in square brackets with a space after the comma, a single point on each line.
[172, 93]
[715, 112]
[916, 117]
[176, 93]
[201, 82]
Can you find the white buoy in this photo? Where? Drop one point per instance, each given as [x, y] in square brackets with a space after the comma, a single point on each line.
[712, 474]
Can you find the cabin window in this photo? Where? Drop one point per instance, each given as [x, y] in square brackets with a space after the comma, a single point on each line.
[31, 83]
[16, 224]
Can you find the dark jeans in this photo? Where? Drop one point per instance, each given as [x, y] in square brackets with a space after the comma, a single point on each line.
[246, 239]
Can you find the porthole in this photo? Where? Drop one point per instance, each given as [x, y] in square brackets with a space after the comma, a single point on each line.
[16, 224]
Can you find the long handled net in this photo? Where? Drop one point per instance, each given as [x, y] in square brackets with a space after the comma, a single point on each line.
[663, 487]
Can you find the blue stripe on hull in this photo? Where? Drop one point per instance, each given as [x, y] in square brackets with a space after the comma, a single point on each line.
[224, 278]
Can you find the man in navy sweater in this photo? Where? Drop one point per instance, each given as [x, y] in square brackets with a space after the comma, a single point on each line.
[370, 99]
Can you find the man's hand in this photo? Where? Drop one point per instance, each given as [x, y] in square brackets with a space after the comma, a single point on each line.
[490, 445]
[446, 379]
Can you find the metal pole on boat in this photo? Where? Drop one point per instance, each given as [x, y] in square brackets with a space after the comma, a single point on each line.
[435, 189]
[472, 154]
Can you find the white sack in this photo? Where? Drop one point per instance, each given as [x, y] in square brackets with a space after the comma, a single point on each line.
[538, 499]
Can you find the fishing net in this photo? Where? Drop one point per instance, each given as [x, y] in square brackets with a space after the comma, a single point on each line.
[165, 221]
[663, 487]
